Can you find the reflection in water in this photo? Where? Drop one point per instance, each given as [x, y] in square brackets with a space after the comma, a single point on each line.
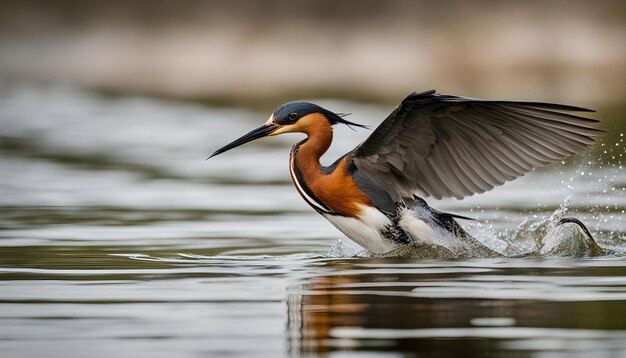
[123, 241]
[452, 309]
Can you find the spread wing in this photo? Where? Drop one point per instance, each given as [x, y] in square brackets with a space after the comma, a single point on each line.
[448, 146]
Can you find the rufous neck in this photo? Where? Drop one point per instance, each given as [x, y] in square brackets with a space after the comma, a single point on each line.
[311, 150]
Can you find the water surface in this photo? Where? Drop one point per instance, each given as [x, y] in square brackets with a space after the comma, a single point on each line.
[118, 239]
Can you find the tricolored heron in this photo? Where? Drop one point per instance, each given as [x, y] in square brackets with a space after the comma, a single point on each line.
[432, 145]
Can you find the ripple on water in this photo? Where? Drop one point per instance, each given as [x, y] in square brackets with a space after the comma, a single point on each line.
[124, 242]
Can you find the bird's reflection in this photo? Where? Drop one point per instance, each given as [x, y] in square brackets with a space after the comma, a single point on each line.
[380, 311]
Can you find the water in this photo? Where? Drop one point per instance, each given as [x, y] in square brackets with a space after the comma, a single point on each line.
[118, 239]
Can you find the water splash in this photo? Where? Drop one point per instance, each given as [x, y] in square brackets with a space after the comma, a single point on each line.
[347, 248]
[555, 236]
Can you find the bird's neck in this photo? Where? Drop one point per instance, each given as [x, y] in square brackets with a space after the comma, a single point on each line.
[308, 153]
[333, 191]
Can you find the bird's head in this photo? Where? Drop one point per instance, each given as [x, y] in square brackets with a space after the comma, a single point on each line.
[290, 117]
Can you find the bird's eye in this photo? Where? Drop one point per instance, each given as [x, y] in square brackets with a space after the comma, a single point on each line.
[293, 116]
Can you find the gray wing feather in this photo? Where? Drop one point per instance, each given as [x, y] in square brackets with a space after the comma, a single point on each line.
[377, 194]
[449, 146]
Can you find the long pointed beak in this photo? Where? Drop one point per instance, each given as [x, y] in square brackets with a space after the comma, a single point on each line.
[257, 133]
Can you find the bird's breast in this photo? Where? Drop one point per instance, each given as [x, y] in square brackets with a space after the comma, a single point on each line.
[335, 193]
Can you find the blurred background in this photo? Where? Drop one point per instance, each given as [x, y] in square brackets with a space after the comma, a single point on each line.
[248, 52]
[118, 239]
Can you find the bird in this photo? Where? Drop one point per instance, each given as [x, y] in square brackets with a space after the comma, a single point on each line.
[432, 145]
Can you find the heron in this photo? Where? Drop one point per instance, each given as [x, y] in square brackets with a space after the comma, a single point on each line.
[432, 145]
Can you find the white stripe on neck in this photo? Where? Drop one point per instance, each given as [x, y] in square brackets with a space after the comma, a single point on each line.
[311, 201]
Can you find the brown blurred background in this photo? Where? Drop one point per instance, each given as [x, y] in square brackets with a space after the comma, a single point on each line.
[259, 53]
